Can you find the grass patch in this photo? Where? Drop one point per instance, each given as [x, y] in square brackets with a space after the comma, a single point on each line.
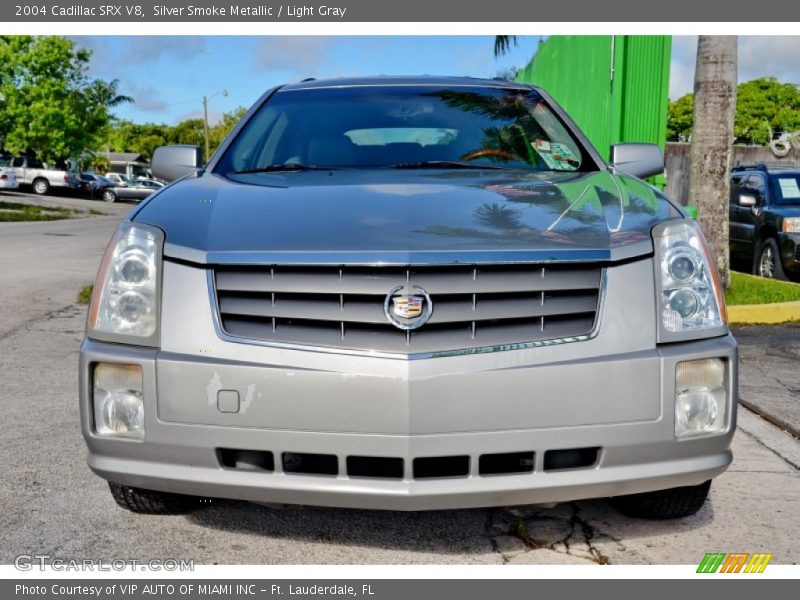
[85, 295]
[15, 211]
[749, 289]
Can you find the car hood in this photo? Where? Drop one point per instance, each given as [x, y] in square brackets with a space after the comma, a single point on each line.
[403, 217]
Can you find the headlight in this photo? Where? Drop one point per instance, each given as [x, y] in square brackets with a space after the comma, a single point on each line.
[690, 299]
[126, 296]
[791, 225]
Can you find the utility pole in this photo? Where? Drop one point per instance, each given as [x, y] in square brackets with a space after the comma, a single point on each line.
[205, 124]
[205, 119]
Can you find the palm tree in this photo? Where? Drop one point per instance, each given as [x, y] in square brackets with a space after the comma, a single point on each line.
[712, 141]
[106, 94]
[502, 44]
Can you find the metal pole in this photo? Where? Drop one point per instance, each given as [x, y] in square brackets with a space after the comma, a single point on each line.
[205, 123]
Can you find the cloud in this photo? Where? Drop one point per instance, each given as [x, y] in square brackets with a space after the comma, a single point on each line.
[146, 97]
[681, 77]
[145, 49]
[759, 56]
[477, 62]
[306, 54]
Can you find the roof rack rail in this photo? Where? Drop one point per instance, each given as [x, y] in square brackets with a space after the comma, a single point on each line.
[764, 166]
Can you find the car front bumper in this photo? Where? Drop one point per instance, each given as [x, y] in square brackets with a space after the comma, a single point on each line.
[409, 412]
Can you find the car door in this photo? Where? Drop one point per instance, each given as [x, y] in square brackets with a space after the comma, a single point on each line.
[748, 218]
[736, 232]
[18, 164]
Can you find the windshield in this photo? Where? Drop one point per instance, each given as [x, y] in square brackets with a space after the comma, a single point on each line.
[788, 187]
[405, 127]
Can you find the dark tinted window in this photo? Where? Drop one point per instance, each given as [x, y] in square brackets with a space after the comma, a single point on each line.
[35, 164]
[379, 126]
[755, 187]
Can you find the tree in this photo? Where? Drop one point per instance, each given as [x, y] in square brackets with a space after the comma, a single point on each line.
[143, 138]
[712, 141]
[503, 43]
[50, 107]
[679, 119]
[765, 108]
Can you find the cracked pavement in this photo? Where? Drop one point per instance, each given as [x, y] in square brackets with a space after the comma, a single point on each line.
[769, 358]
[51, 502]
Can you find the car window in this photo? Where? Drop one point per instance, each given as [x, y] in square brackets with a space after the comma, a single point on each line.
[18, 162]
[788, 188]
[755, 187]
[380, 126]
[736, 184]
[35, 164]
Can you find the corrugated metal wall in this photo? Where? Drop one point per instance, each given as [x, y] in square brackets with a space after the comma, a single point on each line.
[614, 87]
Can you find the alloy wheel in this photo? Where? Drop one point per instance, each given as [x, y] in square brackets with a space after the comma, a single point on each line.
[766, 264]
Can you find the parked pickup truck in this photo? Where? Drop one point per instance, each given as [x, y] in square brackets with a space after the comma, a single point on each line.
[33, 172]
[408, 294]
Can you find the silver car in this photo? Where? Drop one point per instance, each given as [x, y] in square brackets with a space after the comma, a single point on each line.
[408, 294]
[132, 189]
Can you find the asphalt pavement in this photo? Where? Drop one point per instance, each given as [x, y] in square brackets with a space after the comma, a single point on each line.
[52, 504]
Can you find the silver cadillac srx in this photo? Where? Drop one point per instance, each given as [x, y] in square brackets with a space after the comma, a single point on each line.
[408, 294]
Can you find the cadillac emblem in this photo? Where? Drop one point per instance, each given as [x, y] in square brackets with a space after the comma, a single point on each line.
[408, 307]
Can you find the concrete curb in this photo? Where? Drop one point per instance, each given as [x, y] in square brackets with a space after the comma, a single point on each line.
[777, 421]
[764, 314]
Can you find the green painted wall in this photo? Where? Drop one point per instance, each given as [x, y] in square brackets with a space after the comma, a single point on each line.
[614, 87]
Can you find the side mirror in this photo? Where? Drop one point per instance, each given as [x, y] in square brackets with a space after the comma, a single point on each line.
[747, 201]
[637, 160]
[174, 162]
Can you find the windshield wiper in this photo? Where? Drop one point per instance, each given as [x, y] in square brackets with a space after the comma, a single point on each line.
[285, 168]
[443, 164]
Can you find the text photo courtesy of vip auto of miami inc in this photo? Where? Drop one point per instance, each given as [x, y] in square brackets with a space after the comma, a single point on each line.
[400, 300]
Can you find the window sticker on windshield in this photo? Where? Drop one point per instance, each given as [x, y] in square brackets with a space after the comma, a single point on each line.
[557, 156]
[789, 188]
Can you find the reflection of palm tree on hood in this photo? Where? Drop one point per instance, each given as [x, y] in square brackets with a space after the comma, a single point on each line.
[497, 216]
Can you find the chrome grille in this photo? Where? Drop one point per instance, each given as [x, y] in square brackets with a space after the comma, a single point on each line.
[473, 306]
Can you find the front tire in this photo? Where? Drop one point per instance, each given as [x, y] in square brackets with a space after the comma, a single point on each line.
[41, 186]
[151, 502]
[674, 503]
[768, 263]
[109, 196]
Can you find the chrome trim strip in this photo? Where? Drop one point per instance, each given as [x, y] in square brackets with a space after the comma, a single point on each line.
[390, 258]
[223, 335]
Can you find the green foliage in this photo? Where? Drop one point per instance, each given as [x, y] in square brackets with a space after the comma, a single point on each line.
[85, 294]
[49, 106]
[748, 289]
[16, 211]
[679, 119]
[144, 138]
[765, 108]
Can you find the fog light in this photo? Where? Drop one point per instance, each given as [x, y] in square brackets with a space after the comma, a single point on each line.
[701, 397]
[118, 400]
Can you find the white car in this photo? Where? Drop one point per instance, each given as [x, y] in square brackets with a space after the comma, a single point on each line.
[8, 179]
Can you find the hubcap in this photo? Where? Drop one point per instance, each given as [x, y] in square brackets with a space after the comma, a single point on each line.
[40, 187]
[766, 266]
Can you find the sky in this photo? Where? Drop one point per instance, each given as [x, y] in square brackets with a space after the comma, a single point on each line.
[759, 56]
[168, 76]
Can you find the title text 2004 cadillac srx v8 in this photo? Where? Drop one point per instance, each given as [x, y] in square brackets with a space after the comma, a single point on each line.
[408, 294]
